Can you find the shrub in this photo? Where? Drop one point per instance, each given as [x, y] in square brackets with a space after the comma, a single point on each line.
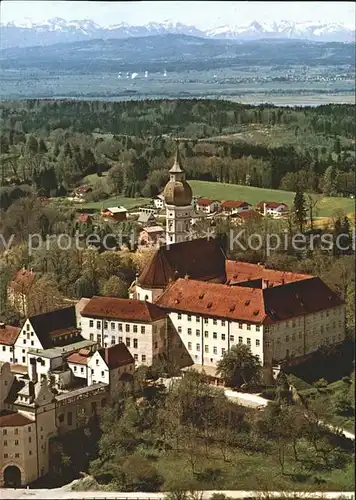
[269, 393]
[140, 474]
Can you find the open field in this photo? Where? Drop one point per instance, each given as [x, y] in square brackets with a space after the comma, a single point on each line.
[327, 206]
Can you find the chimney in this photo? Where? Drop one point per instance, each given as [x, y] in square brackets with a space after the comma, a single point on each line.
[106, 356]
[2, 325]
[31, 389]
[265, 283]
[33, 370]
[264, 208]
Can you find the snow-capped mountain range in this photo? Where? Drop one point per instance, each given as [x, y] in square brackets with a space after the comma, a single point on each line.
[58, 30]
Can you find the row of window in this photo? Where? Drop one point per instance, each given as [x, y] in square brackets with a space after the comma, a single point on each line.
[120, 326]
[215, 349]
[119, 340]
[215, 321]
[298, 321]
[16, 431]
[17, 455]
[215, 335]
[16, 442]
[314, 333]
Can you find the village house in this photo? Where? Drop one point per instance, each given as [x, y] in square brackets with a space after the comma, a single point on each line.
[85, 219]
[152, 236]
[141, 325]
[117, 214]
[230, 207]
[8, 337]
[41, 362]
[78, 363]
[44, 331]
[274, 209]
[19, 288]
[207, 206]
[114, 366]
[147, 219]
[158, 201]
[244, 217]
[81, 192]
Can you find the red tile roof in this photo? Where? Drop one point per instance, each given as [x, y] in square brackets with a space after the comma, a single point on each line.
[233, 204]
[214, 299]
[79, 358]
[83, 189]
[253, 305]
[8, 334]
[248, 214]
[14, 420]
[116, 356]
[84, 218]
[270, 204]
[125, 309]
[204, 202]
[238, 272]
[202, 259]
[22, 281]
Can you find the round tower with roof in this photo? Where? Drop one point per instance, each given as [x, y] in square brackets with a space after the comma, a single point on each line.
[178, 199]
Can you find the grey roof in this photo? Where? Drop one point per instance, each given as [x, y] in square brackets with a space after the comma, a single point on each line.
[53, 321]
[153, 229]
[82, 390]
[57, 352]
[177, 165]
[145, 217]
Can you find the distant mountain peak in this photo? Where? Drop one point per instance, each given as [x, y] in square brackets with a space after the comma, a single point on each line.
[57, 30]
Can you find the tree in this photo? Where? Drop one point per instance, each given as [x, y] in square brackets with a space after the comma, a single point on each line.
[299, 210]
[312, 202]
[239, 366]
[330, 181]
[113, 287]
[140, 474]
[116, 179]
[32, 145]
[44, 296]
[42, 148]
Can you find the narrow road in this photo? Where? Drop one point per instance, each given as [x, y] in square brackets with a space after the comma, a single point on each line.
[62, 494]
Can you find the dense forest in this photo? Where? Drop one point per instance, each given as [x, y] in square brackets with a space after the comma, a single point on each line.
[53, 145]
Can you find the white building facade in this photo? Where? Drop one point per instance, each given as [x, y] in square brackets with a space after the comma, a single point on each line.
[139, 324]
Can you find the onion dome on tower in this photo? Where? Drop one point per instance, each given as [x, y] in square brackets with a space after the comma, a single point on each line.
[177, 191]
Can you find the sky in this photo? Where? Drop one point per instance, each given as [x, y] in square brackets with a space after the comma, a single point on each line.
[203, 15]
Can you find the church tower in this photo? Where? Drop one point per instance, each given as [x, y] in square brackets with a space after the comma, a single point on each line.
[178, 199]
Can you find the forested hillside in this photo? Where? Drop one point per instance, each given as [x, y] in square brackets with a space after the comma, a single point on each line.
[53, 145]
